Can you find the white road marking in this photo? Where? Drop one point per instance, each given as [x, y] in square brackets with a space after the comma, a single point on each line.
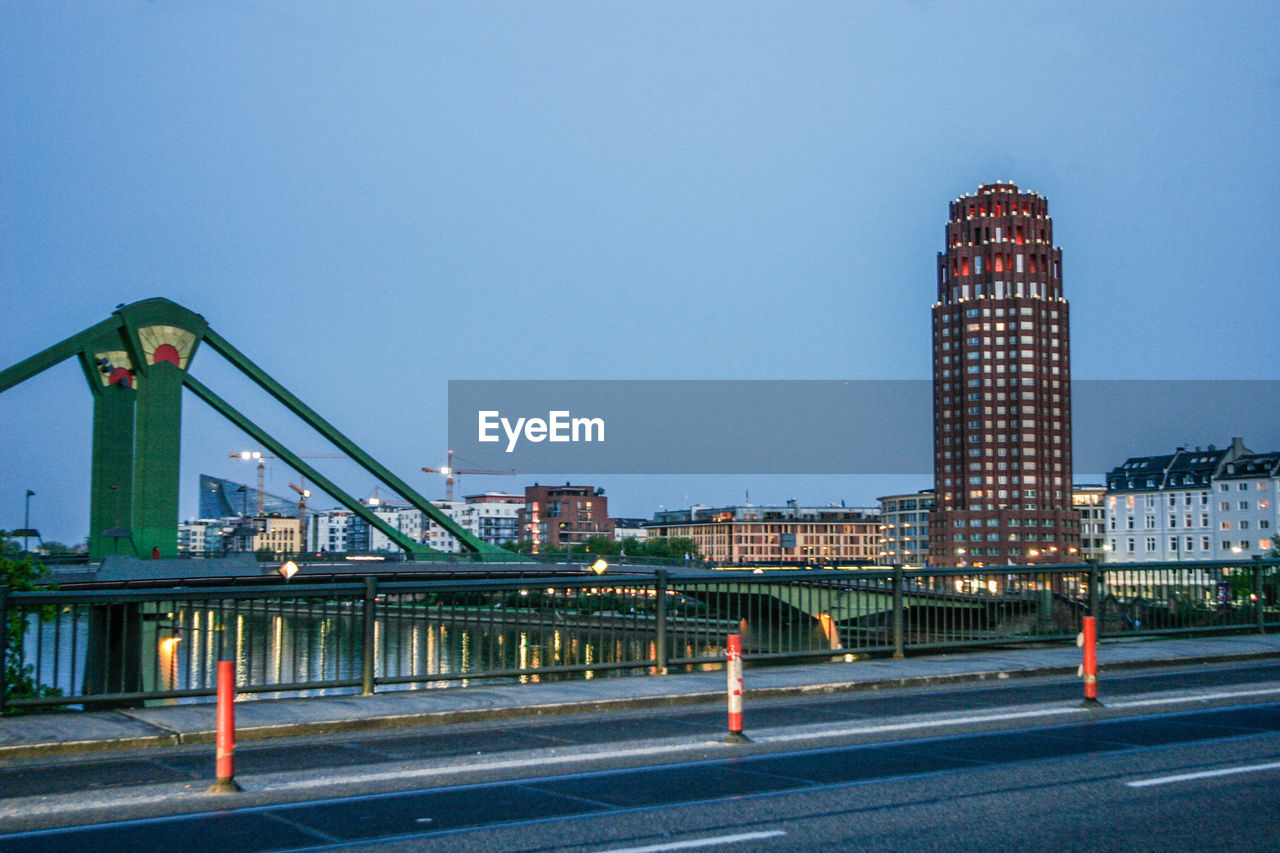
[665, 749]
[74, 803]
[698, 842]
[919, 724]
[1203, 774]
[1202, 697]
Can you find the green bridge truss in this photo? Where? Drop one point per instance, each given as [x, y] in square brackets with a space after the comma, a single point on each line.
[137, 363]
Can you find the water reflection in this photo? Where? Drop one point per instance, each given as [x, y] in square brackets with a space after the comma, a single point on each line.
[315, 647]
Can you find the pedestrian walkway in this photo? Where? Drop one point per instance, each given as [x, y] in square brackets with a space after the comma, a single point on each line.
[69, 732]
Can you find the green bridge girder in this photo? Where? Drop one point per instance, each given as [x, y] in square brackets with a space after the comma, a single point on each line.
[137, 363]
[842, 604]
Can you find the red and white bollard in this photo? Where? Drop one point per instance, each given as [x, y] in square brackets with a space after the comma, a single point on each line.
[733, 670]
[1087, 639]
[226, 737]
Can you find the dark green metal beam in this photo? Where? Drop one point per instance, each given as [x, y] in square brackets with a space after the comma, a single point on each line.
[59, 352]
[368, 463]
[230, 413]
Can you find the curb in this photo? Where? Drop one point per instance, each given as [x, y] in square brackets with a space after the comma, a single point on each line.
[479, 715]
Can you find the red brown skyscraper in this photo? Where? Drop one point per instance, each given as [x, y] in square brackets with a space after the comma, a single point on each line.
[1001, 387]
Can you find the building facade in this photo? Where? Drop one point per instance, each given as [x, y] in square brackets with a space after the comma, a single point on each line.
[775, 534]
[203, 536]
[492, 516]
[1247, 496]
[560, 516]
[630, 528]
[904, 528]
[1089, 502]
[330, 530]
[1193, 504]
[221, 498]
[408, 520]
[280, 535]
[1001, 386]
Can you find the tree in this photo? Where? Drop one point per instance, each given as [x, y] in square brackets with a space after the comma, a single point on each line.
[663, 548]
[21, 573]
[525, 546]
[668, 548]
[601, 545]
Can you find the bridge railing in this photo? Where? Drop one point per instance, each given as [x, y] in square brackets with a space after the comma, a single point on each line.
[91, 649]
[576, 558]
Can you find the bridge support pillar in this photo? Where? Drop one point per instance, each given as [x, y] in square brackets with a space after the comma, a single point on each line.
[157, 464]
[111, 481]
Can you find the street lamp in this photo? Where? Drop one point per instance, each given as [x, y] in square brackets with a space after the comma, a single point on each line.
[26, 520]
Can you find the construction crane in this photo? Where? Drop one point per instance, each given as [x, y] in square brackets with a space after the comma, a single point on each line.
[451, 473]
[303, 494]
[261, 458]
[248, 456]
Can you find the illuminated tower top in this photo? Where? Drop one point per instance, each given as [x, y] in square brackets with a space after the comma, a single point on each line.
[999, 245]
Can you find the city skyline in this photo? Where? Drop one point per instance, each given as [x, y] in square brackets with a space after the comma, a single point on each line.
[373, 203]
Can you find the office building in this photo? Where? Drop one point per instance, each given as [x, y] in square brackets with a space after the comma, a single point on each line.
[904, 528]
[1089, 502]
[1001, 386]
[492, 517]
[830, 535]
[559, 516]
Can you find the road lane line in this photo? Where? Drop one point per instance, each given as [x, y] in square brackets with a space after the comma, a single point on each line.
[666, 749]
[1203, 774]
[697, 842]
[921, 724]
[1201, 697]
[29, 806]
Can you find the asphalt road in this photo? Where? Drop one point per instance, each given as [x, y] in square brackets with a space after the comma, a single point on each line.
[960, 770]
[195, 764]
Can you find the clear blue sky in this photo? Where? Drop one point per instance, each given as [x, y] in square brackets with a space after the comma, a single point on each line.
[372, 198]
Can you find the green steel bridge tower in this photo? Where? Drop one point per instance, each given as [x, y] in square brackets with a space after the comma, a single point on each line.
[137, 363]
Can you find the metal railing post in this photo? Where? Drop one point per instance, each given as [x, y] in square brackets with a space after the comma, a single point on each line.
[1094, 577]
[367, 657]
[4, 649]
[1260, 593]
[899, 580]
[660, 638]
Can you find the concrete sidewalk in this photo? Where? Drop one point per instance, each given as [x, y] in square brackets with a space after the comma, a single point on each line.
[55, 733]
